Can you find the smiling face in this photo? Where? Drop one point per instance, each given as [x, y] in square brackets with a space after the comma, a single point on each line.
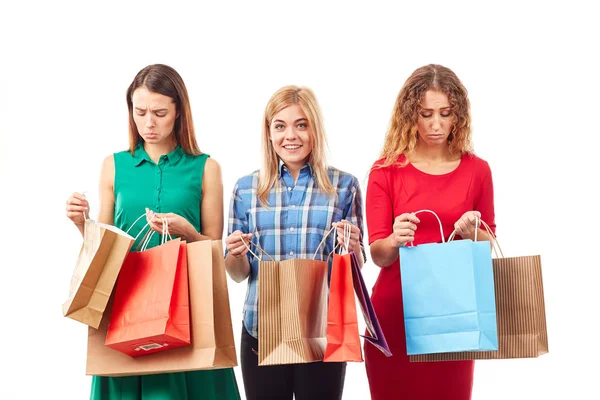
[435, 119]
[292, 136]
[154, 115]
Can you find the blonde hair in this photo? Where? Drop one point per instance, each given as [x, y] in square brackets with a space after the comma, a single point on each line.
[401, 137]
[283, 98]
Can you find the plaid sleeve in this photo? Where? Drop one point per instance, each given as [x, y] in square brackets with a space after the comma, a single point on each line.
[237, 213]
[353, 211]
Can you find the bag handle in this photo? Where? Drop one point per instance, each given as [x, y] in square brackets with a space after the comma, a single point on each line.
[323, 241]
[258, 247]
[439, 221]
[267, 254]
[146, 235]
[333, 251]
[344, 247]
[143, 245]
[135, 222]
[165, 231]
[493, 241]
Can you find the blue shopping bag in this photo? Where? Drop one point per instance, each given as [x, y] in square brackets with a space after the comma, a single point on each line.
[448, 297]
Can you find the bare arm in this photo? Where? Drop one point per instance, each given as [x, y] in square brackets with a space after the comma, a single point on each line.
[212, 204]
[236, 262]
[384, 252]
[77, 204]
[106, 214]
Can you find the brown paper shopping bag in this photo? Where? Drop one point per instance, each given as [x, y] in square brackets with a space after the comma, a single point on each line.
[292, 310]
[213, 345]
[520, 312]
[292, 317]
[103, 251]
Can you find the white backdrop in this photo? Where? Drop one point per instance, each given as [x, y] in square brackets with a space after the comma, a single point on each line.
[532, 76]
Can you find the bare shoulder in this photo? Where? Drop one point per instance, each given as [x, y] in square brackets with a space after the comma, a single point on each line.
[212, 175]
[212, 171]
[109, 162]
[212, 167]
[107, 173]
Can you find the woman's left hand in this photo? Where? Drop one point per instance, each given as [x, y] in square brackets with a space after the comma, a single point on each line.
[176, 224]
[354, 235]
[465, 226]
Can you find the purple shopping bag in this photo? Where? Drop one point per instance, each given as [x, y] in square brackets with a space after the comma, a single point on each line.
[375, 334]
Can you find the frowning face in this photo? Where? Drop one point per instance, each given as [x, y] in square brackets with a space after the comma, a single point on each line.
[154, 115]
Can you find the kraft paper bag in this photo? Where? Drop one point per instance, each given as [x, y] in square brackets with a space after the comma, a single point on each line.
[102, 254]
[292, 317]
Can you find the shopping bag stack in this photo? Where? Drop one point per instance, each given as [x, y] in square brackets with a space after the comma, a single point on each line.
[171, 297]
[521, 315]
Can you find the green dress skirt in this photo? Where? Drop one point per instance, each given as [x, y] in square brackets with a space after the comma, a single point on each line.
[218, 384]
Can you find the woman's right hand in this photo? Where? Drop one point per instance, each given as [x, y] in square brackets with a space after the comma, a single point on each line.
[404, 229]
[235, 246]
[76, 206]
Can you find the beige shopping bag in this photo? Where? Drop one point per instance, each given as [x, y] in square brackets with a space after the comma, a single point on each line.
[102, 254]
[292, 310]
[213, 345]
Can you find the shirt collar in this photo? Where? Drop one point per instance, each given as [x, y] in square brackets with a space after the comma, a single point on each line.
[306, 168]
[140, 155]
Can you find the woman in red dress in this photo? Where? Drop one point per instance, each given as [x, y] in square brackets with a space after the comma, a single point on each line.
[426, 163]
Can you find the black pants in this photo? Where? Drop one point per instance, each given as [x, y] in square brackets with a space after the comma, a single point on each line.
[312, 381]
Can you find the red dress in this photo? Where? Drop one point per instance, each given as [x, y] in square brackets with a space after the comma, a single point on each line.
[392, 191]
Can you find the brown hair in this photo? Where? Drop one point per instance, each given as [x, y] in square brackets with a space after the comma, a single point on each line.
[401, 137]
[160, 78]
[283, 98]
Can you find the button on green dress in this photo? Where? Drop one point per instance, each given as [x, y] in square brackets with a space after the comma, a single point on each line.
[174, 185]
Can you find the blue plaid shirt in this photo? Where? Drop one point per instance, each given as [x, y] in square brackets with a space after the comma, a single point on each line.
[298, 217]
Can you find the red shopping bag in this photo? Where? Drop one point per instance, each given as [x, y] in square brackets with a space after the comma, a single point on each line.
[151, 306]
[343, 341]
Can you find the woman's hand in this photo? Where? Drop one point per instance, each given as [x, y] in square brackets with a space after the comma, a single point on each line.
[404, 229]
[354, 238]
[235, 245]
[175, 224]
[77, 205]
[465, 226]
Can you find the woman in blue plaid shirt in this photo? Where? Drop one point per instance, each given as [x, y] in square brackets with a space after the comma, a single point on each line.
[287, 208]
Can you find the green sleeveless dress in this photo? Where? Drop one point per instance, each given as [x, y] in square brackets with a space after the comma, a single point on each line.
[174, 185]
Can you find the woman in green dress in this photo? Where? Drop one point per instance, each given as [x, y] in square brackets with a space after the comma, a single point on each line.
[164, 175]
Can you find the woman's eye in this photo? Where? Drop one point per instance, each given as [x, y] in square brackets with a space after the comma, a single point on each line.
[445, 114]
[425, 115]
[160, 115]
[279, 126]
[141, 114]
[302, 126]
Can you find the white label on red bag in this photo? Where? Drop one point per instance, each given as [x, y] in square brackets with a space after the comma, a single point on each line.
[151, 346]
